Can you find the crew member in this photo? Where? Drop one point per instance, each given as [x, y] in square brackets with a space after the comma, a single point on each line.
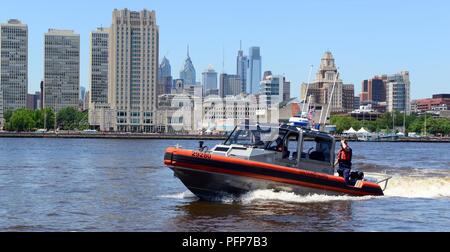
[344, 159]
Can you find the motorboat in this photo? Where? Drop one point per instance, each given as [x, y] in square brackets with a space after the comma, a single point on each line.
[282, 158]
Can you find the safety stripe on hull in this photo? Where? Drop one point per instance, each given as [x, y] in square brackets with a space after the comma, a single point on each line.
[316, 182]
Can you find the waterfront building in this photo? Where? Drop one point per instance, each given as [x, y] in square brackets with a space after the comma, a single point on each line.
[321, 89]
[254, 70]
[223, 113]
[209, 79]
[102, 117]
[176, 113]
[100, 113]
[165, 79]
[99, 58]
[398, 92]
[61, 69]
[230, 84]
[133, 69]
[242, 65]
[436, 103]
[13, 66]
[188, 73]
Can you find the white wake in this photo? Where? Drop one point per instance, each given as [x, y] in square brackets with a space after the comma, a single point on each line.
[398, 186]
[419, 187]
[184, 195]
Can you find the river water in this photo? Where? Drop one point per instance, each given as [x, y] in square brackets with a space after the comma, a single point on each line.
[122, 185]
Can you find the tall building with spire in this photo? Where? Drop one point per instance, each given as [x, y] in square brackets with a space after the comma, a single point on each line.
[188, 73]
[321, 90]
[133, 69]
[165, 78]
[165, 70]
[254, 70]
[242, 68]
[13, 66]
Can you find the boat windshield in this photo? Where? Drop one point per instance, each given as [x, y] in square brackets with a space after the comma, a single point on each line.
[256, 136]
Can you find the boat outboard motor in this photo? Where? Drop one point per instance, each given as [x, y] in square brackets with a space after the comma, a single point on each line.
[357, 175]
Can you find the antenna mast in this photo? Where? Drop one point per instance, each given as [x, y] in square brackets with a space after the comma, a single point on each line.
[307, 89]
[331, 98]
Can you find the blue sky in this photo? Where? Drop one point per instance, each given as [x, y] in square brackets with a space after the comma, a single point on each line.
[366, 37]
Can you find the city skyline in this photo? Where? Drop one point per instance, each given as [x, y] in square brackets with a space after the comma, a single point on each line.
[384, 40]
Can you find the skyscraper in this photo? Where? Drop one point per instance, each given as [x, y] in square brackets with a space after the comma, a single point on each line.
[61, 69]
[254, 70]
[398, 92]
[165, 70]
[13, 67]
[272, 89]
[188, 73]
[348, 97]
[99, 66]
[230, 85]
[321, 89]
[82, 93]
[286, 90]
[133, 69]
[374, 90]
[209, 79]
[242, 68]
[165, 77]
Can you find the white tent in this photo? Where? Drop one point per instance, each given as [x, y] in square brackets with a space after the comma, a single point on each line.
[350, 131]
[363, 131]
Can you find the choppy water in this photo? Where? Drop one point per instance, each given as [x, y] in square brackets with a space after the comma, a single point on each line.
[122, 185]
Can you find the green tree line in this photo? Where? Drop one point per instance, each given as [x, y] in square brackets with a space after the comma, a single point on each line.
[413, 123]
[25, 120]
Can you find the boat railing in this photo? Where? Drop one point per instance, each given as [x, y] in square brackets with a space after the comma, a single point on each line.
[378, 178]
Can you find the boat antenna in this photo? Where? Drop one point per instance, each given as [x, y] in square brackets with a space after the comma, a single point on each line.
[309, 103]
[307, 89]
[331, 96]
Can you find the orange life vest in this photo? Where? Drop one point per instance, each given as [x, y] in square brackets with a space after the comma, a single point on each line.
[345, 155]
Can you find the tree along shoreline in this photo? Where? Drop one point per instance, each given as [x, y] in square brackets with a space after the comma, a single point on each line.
[394, 123]
[25, 120]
